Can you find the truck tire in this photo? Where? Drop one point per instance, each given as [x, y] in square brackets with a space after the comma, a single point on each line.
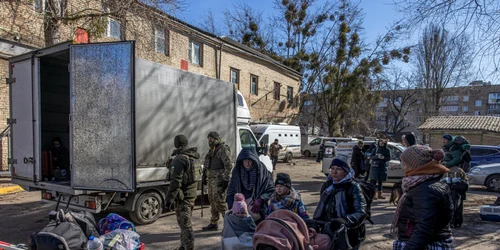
[148, 208]
[307, 153]
[288, 157]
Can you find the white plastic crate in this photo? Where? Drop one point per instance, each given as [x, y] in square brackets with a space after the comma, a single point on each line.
[490, 213]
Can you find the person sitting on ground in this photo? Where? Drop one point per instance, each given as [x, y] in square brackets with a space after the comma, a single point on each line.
[342, 206]
[286, 197]
[251, 178]
[239, 226]
[423, 216]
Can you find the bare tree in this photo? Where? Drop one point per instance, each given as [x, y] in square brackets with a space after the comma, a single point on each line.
[442, 62]
[478, 18]
[209, 23]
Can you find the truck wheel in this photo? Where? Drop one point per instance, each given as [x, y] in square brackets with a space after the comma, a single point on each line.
[288, 157]
[493, 183]
[147, 208]
[307, 153]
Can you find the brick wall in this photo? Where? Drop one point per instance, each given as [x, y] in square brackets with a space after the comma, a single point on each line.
[4, 110]
[474, 137]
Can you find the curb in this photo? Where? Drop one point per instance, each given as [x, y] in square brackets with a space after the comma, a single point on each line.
[11, 189]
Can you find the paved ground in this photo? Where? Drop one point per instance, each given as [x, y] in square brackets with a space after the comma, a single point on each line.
[23, 213]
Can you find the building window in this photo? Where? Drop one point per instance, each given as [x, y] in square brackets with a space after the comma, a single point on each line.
[477, 112]
[235, 77]
[114, 29]
[195, 53]
[308, 103]
[254, 85]
[161, 40]
[465, 98]
[277, 87]
[449, 108]
[449, 99]
[494, 98]
[479, 103]
[289, 95]
[39, 5]
[465, 109]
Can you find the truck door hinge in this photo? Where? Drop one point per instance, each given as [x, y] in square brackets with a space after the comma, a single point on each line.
[10, 80]
[11, 121]
[11, 161]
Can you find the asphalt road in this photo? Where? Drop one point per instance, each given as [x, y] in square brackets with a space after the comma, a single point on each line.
[24, 213]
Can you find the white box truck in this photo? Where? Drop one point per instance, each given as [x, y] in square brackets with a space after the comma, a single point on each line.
[118, 115]
[288, 136]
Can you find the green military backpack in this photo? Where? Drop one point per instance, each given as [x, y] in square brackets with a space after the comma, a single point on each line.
[193, 172]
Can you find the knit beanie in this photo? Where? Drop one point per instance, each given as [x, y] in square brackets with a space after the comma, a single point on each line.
[180, 141]
[419, 155]
[448, 137]
[239, 204]
[342, 162]
[283, 179]
[214, 135]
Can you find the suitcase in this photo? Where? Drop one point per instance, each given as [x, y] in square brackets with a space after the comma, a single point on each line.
[47, 165]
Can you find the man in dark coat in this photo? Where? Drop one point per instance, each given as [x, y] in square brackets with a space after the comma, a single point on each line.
[380, 161]
[251, 178]
[358, 159]
[181, 194]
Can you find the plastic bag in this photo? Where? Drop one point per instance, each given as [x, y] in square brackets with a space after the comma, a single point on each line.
[120, 239]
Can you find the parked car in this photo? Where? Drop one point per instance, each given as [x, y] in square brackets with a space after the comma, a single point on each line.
[482, 155]
[312, 148]
[287, 135]
[394, 171]
[486, 175]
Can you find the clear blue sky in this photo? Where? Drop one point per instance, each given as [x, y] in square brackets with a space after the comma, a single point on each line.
[379, 14]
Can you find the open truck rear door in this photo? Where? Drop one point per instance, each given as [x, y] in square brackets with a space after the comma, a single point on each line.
[102, 116]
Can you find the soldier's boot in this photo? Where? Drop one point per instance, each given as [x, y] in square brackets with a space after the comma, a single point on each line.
[210, 227]
[380, 195]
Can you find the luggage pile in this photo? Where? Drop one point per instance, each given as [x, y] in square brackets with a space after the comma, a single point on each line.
[79, 231]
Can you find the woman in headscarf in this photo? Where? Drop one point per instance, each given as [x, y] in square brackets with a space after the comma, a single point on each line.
[422, 219]
[251, 178]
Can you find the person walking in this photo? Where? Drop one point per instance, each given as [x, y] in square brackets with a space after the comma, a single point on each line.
[342, 206]
[218, 169]
[381, 156]
[358, 159]
[425, 210]
[181, 193]
[274, 150]
[251, 178]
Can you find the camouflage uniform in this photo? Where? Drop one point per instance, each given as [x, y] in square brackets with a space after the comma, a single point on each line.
[218, 169]
[183, 195]
[184, 211]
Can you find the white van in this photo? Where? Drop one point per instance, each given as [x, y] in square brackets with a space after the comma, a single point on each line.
[312, 148]
[287, 135]
[394, 172]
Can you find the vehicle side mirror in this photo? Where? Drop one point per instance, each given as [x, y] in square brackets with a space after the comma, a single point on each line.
[262, 150]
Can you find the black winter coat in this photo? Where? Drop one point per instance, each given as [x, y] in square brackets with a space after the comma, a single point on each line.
[349, 193]
[426, 214]
[357, 158]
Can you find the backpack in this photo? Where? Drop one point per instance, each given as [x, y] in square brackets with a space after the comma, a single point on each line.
[369, 191]
[466, 155]
[86, 221]
[192, 174]
[62, 233]
[114, 221]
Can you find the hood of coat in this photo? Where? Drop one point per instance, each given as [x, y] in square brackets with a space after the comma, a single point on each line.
[191, 152]
[248, 154]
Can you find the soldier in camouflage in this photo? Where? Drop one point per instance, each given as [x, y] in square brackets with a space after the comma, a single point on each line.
[217, 172]
[181, 194]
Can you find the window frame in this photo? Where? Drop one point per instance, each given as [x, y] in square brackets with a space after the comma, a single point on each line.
[465, 98]
[108, 28]
[191, 52]
[277, 87]
[237, 71]
[480, 103]
[289, 94]
[256, 92]
[465, 109]
[166, 38]
[41, 7]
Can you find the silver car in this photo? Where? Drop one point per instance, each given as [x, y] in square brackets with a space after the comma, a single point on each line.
[487, 175]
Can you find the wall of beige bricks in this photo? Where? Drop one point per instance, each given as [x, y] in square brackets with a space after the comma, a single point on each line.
[474, 137]
[20, 23]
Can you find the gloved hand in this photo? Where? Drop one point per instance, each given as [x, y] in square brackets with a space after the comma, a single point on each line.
[223, 185]
[256, 205]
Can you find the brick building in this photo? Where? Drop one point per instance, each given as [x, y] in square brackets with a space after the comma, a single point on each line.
[478, 130]
[476, 99]
[270, 88]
